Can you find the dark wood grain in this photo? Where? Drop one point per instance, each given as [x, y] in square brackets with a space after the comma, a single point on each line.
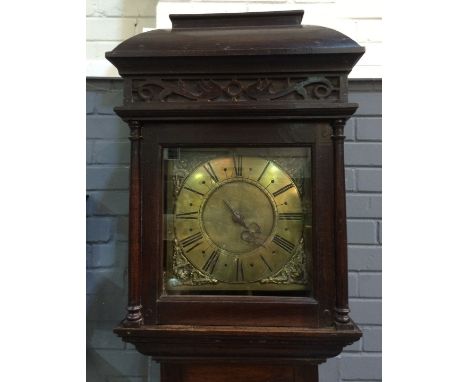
[152, 220]
[324, 261]
[258, 310]
[206, 111]
[286, 345]
[341, 247]
[262, 80]
[235, 372]
[254, 19]
[134, 316]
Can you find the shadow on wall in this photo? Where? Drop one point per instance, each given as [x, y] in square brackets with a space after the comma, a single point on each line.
[108, 358]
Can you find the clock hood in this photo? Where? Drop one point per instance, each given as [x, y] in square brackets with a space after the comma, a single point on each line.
[273, 37]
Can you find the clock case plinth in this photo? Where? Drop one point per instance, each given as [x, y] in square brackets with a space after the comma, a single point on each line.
[254, 79]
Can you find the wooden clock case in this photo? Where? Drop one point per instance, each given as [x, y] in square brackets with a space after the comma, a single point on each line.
[240, 80]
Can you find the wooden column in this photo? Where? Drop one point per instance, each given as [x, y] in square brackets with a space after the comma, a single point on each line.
[341, 243]
[134, 316]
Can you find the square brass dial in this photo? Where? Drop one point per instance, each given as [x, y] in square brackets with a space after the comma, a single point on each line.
[236, 220]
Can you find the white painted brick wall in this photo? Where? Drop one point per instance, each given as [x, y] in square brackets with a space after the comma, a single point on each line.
[111, 21]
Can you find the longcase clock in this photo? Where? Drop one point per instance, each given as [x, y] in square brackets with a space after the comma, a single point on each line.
[237, 237]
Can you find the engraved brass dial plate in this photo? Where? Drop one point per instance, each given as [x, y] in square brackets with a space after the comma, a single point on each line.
[237, 220]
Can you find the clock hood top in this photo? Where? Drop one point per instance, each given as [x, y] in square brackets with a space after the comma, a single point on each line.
[276, 40]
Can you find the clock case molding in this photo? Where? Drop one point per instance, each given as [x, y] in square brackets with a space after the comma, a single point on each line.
[237, 80]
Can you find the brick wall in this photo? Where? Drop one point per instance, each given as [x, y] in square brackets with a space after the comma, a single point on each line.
[362, 361]
[108, 23]
[111, 21]
[107, 156]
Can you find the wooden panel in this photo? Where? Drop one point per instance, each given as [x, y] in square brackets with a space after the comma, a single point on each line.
[323, 207]
[229, 133]
[261, 311]
[227, 372]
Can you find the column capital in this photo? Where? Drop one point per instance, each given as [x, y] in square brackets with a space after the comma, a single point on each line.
[338, 128]
[135, 130]
[134, 124]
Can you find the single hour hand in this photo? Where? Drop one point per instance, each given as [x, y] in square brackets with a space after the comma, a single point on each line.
[253, 238]
[236, 216]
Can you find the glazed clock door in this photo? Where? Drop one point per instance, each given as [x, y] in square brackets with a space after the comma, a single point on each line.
[236, 220]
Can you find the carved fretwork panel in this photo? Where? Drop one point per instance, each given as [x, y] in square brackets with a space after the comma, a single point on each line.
[313, 88]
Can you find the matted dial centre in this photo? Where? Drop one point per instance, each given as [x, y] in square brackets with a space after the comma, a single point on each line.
[238, 216]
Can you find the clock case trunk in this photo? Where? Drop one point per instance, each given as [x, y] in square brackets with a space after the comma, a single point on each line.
[237, 80]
